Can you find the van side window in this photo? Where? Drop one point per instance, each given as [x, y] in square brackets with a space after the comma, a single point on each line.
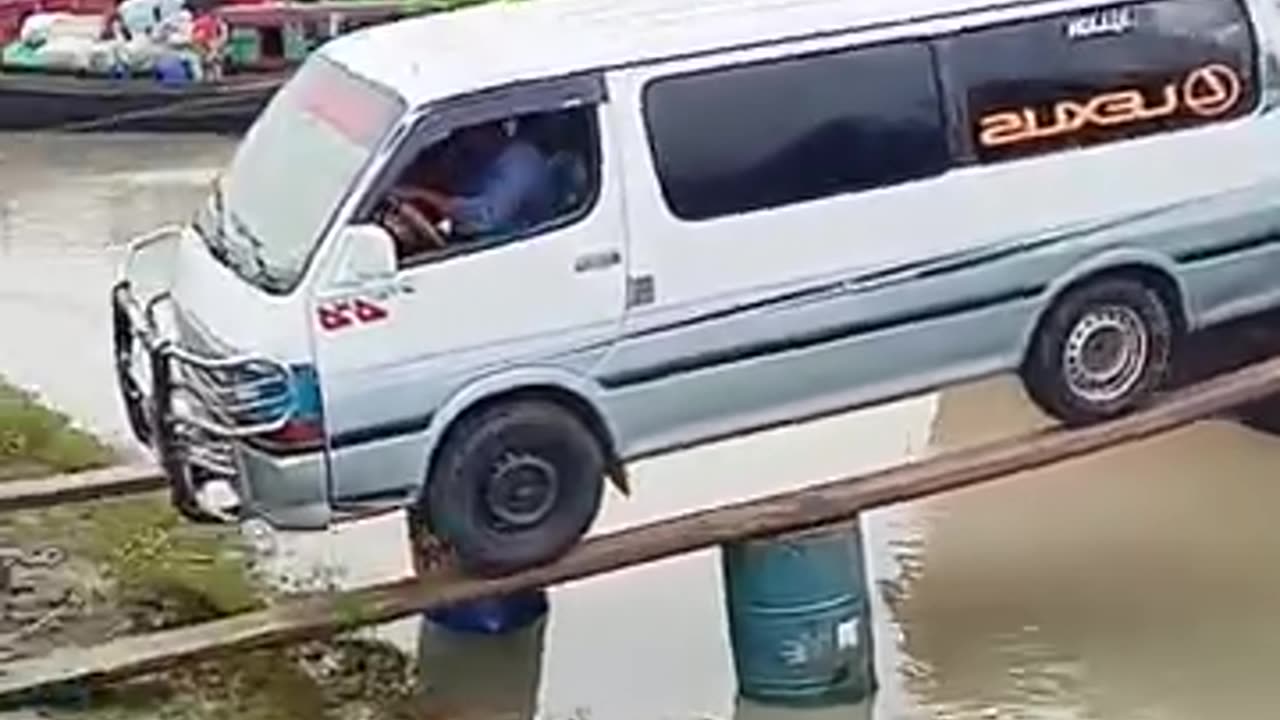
[762, 135]
[1101, 75]
[493, 183]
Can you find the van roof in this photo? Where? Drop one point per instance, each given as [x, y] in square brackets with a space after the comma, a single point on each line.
[442, 54]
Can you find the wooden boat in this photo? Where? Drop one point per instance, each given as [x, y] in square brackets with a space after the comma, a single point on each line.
[267, 40]
[31, 101]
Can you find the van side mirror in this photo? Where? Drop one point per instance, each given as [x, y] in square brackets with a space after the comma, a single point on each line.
[368, 255]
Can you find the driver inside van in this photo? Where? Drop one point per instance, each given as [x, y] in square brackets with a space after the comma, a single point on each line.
[501, 185]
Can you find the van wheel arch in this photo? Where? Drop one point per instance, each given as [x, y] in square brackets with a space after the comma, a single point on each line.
[592, 438]
[1155, 301]
[1154, 277]
[567, 400]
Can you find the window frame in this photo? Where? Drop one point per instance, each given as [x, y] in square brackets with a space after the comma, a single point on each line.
[966, 153]
[433, 122]
[924, 41]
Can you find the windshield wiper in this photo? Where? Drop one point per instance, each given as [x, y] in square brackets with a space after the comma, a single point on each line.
[233, 243]
[214, 237]
[263, 272]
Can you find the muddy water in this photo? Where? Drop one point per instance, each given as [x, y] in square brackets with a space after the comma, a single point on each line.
[1132, 585]
[65, 207]
[1138, 583]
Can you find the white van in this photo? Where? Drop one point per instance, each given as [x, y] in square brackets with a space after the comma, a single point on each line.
[474, 263]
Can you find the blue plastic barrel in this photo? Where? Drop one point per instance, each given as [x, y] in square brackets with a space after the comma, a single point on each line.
[172, 70]
[799, 617]
[474, 675]
[493, 616]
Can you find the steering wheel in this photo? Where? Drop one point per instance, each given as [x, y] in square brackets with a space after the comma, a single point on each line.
[418, 222]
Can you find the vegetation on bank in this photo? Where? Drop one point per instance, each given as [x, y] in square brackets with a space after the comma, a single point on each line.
[35, 440]
[134, 565]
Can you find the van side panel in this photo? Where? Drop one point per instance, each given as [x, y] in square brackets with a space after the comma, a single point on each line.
[810, 307]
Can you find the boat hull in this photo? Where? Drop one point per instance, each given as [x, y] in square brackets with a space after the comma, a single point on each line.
[30, 101]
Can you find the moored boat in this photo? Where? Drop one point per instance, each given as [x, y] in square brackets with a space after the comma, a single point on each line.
[175, 89]
[31, 101]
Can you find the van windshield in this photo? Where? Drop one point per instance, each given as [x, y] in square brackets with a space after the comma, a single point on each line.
[293, 168]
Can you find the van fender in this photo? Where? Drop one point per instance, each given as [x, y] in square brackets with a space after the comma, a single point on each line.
[514, 380]
[1106, 262]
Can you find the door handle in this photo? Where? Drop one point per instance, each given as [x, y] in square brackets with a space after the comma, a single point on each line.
[598, 260]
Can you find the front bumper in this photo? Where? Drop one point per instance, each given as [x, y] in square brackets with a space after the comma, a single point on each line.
[199, 411]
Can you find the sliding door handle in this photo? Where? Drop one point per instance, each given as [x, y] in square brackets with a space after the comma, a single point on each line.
[598, 260]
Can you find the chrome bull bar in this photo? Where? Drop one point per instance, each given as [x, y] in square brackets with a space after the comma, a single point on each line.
[192, 406]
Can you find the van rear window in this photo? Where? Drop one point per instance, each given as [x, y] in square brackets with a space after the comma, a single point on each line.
[749, 137]
[1101, 75]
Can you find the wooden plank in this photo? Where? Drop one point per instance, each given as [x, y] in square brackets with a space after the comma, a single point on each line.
[78, 487]
[321, 616]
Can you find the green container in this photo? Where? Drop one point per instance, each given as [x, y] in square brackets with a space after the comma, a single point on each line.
[244, 47]
[799, 617]
[17, 55]
[296, 46]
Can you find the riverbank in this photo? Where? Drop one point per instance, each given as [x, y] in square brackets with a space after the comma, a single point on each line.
[36, 441]
[82, 574]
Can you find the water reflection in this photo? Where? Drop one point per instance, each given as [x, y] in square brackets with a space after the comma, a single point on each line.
[479, 676]
[467, 675]
[745, 709]
[1135, 583]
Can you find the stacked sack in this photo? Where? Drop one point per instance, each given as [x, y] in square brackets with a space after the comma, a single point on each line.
[59, 42]
[141, 37]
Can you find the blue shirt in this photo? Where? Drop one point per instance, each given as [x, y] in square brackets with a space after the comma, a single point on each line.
[514, 192]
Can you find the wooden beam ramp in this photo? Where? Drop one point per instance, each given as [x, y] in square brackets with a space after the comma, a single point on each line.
[823, 504]
[79, 487]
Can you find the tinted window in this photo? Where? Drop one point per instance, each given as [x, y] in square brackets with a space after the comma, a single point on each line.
[1101, 75]
[757, 136]
[459, 195]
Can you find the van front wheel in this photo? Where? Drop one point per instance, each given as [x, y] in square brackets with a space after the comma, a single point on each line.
[515, 485]
[1103, 349]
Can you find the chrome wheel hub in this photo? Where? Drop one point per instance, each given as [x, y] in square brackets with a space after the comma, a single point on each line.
[522, 490]
[1105, 353]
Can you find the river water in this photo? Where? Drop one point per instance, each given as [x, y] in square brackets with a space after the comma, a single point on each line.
[1138, 584]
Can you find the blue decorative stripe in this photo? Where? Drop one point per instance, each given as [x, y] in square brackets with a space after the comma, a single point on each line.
[381, 431]
[930, 267]
[1233, 248]
[838, 333]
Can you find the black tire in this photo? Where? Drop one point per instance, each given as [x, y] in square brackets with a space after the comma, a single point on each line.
[1123, 308]
[473, 502]
[1263, 415]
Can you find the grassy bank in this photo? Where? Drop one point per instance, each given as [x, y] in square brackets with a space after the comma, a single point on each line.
[133, 565]
[35, 440]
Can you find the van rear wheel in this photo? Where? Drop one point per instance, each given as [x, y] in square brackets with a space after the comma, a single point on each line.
[1263, 415]
[514, 485]
[1104, 349]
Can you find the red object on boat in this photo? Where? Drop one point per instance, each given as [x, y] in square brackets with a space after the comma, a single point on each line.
[13, 12]
[207, 30]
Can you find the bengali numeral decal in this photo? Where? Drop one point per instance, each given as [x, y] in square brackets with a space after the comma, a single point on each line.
[345, 313]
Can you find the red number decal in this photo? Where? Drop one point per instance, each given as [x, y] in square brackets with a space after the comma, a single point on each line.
[367, 312]
[343, 314]
[334, 316]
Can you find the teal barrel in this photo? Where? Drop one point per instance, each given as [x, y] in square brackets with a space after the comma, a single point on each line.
[799, 617]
